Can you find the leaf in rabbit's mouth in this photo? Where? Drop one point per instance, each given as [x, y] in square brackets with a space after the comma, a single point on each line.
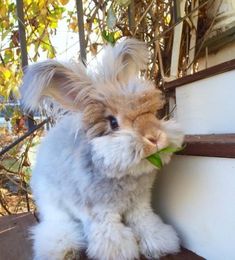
[155, 158]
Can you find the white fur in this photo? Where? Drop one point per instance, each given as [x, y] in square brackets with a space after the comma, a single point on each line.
[95, 194]
[155, 238]
[109, 235]
[53, 239]
[124, 61]
[104, 152]
[175, 135]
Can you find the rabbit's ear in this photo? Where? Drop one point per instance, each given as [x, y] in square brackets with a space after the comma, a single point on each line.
[68, 84]
[125, 60]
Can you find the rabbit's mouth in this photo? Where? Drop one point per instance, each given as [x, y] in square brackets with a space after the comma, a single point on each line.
[123, 154]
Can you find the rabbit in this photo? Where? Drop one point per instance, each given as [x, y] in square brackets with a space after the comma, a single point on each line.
[92, 182]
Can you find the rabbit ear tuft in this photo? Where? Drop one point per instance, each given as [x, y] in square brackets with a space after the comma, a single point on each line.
[125, 60]
[68, 84]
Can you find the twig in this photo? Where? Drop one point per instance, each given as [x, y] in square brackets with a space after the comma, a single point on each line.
[13, 181]
[2, 60]
[6, 149]
[4, 205]
[131, 15]
[158, 51]
[206, 36]
[179, 21]
[142, 17]
[2, 167]
[81, 30]
[24, 157]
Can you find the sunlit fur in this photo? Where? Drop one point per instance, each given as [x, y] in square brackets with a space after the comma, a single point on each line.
[91, 183]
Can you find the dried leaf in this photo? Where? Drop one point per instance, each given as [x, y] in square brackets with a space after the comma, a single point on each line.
[123, 2]
[64, 2]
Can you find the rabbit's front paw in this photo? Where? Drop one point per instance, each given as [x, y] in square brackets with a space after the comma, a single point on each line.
[72, 255]
[159, 242]
[112, 243]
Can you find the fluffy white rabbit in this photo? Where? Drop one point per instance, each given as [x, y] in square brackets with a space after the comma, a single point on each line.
[92, 183]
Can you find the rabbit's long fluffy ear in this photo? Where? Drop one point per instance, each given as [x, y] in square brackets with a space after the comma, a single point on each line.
[124, 60]
[68, 84]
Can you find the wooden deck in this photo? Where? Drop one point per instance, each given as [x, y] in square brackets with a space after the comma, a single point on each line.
[16, 245]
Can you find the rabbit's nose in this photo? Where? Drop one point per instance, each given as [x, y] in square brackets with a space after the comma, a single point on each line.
[151, 139]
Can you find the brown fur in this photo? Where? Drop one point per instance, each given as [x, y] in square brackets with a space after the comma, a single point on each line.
[134, 111]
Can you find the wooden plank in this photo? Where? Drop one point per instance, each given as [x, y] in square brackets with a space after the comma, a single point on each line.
[183, 255]
[206, 73]
[177, 40]
[15, 243]
[217, 145]
[14, 237]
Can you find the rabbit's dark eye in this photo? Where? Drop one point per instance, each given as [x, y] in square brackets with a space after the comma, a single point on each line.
[113, 122]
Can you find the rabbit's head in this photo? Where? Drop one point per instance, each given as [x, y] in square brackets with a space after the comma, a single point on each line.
[118, 107]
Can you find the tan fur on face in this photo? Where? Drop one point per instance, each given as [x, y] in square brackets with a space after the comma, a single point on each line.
[114, 99]
[136, 112]
[148, 126]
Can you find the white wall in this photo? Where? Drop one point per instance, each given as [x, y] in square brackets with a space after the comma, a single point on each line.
[207, 106]
[197, 194]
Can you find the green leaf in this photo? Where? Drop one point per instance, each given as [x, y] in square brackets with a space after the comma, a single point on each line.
[156, 160]
[5, 34]
[8, 56]
[170, 149]
[156, 157]
[109, 37]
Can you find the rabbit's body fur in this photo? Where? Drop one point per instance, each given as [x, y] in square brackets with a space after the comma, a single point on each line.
[92, 186]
